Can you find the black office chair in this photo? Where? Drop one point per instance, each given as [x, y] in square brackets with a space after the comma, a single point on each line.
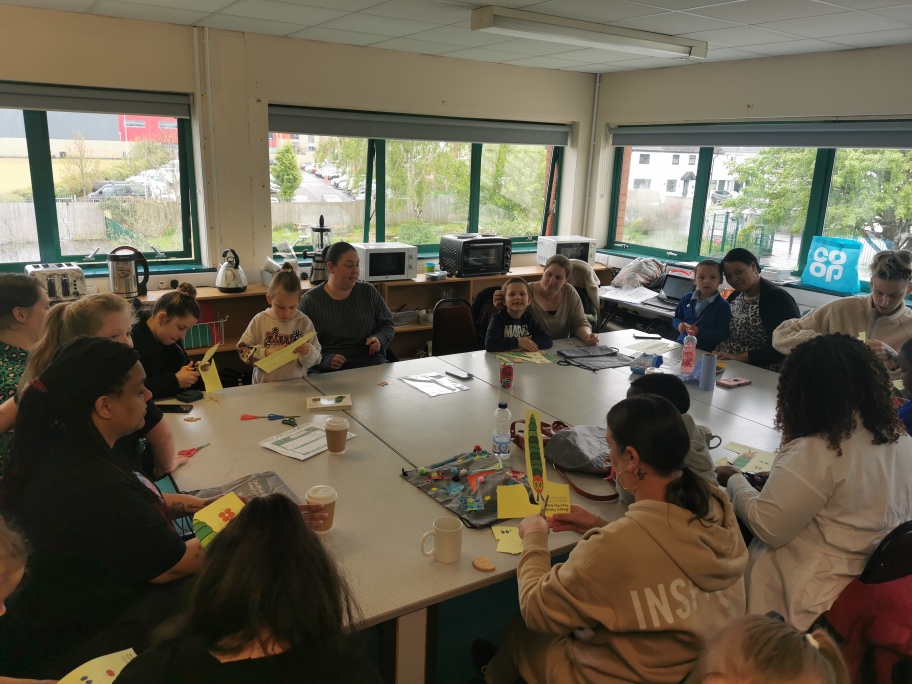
[454, 327]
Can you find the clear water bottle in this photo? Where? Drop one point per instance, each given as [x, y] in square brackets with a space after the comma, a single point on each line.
[689, 354]
[502, 420]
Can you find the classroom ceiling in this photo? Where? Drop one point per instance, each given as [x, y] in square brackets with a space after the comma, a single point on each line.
[734, 29]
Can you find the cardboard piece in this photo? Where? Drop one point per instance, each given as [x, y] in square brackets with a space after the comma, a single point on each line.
[212, 519]
[750, 459]
[210, 376]
[331, 402]
[283, 356]
[102, 669]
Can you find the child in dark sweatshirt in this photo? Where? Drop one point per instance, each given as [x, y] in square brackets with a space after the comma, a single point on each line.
[514, 327]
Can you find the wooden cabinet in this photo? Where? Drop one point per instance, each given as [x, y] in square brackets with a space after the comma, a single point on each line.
[237, 309]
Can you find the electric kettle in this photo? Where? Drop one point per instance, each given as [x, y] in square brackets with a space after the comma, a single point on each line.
[122, 272]
[231, 276]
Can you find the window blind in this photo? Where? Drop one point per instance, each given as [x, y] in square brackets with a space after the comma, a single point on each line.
[95, 100]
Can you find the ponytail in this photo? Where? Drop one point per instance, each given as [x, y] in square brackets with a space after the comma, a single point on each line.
[286, 280]
[829, 658]
[690, 492]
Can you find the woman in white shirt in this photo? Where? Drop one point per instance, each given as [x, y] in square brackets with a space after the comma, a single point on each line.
[841, 482]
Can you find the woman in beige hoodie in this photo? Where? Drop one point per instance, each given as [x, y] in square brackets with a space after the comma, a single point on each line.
[636, 597]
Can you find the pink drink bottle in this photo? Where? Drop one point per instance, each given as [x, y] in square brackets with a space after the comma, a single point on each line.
[689, 355]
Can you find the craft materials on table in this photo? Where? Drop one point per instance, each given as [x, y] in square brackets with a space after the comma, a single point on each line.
[508, 539]
[433, 384]
[301, 442]
[212, 519]
[285, 355]
[533, 357]
[549, 497]
[333, 402]
[251, 487]
[190, 453]
[271, 416]
[210, 375]
[102, 669]
[654, 346]
[747, 458]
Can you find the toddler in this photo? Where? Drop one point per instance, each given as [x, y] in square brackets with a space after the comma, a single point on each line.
[704, 309]
[277, 327]
[514, 326]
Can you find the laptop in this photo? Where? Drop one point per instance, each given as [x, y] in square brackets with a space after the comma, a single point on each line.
[672, 290]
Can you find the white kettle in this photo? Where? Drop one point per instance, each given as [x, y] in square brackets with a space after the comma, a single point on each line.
[230, 277]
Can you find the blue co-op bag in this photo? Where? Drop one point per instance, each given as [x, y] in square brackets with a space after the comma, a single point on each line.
[833, 265]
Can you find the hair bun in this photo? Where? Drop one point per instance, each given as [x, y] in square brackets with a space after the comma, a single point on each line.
[187, 289]
[287, 267]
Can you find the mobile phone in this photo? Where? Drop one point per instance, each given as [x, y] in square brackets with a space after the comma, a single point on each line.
[459, 375]
[189, 395]
[646, 336]
[175, 408]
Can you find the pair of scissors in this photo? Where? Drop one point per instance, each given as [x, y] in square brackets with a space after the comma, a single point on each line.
[545, 505]
[188, 453]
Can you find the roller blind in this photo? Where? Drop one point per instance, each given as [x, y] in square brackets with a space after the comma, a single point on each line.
[399, 127]
[57, 98]
[860, 134]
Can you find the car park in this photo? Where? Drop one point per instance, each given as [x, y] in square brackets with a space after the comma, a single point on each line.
[121, 189]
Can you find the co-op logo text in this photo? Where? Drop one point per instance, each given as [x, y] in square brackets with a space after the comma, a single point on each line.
[828, 264]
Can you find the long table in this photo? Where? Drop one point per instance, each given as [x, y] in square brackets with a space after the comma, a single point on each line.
[379, 516]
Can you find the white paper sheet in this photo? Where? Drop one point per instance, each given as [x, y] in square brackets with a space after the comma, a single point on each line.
[301, 442]
[634, 295]
[433, 384]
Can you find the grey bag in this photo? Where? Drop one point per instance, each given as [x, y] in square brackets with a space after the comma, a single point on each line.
[593, 358]
[580, 449]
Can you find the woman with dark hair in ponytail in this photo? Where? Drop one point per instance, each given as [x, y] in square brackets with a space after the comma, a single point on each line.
[105, 552]
[635, 598]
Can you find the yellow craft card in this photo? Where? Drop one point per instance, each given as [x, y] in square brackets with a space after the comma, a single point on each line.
[513, 501]
[283, 356]
[210, 376]
[863, 337]
[750, 459]
[102, 669]
[212, 519]
[207, 357]
[898, 384]
[508, 539]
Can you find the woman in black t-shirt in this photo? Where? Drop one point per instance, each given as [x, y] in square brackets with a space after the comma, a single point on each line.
[105, 552]
[269, 606]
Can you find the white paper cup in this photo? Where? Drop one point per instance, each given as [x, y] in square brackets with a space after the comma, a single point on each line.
[336, 434]
[447, 535]
[326, 495]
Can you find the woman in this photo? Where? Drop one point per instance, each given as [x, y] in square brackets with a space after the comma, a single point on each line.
[757, 308]
[353, 321]
[23, 307]
[159, 336]
[882, 316]
[101, 532]
[556, 305]
[256, 615]
[839, 484]
[110, 317]
[636, 596]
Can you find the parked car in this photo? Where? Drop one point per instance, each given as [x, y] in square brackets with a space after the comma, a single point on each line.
[330, 172]
[309, 167]
[719, 196]
[274, 188]
[339, 181]
[120, 189]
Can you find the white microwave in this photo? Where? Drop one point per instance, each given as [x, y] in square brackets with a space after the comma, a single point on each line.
[387, 260]
[570, 246]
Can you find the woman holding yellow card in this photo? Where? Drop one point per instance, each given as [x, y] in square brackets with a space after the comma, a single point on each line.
[635, 597]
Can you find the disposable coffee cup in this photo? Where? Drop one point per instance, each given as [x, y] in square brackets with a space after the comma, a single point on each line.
[336, 435]
[447, 536]
[326, 495]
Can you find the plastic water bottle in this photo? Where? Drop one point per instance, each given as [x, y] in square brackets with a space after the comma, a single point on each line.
[502, 420]
[689, 355]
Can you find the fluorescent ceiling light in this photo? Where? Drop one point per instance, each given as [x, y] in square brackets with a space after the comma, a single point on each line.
[534, 26]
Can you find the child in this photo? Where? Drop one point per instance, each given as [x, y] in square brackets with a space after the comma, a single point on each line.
[757, 648]
[158, 339]
[704, 309]
[905, 366]
[672, 388]
[277, 327]
[514, 326]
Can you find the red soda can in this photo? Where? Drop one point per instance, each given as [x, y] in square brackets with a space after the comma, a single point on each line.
[506, 375]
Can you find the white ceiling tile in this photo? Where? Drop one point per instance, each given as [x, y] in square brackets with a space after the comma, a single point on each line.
[756, 11]
[794, 47]
[596, 56]
[423, 10]
[863, 4]
[599, 11]
[326, 35]
[903, 13]
[460, 36]
[409, 45]
[547, 62]
[512, 4]
[247, 25]
[727, 54]
[894, 37]
[384, 26]
[673, 23]
[682, 4]
[65, 5]
[738, 36]
[207, 6]
[842, 24]
[485, 55]
[126, 10]
[270, 10]
[532, 48]
[341, 5]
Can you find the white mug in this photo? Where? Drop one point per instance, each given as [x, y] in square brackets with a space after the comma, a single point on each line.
[447, 534]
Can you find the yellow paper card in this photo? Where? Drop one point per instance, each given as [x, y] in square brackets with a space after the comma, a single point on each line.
[207, 357]
[750, 459]
[863, 337]
[898, 384]
[508, 539]
[210, 376]
[212, 519]
[513, 501]
[535, 357]
[283, 356]
[102, 669]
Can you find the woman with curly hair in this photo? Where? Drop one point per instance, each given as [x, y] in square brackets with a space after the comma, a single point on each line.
[840, 483]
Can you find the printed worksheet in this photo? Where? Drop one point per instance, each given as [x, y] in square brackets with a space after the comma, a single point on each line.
[301, 442]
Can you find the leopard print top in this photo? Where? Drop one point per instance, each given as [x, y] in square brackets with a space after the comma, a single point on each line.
[747, 331]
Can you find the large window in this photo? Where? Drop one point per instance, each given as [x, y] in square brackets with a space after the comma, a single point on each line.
[76, 182]
[514, 181]
[769, 198]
